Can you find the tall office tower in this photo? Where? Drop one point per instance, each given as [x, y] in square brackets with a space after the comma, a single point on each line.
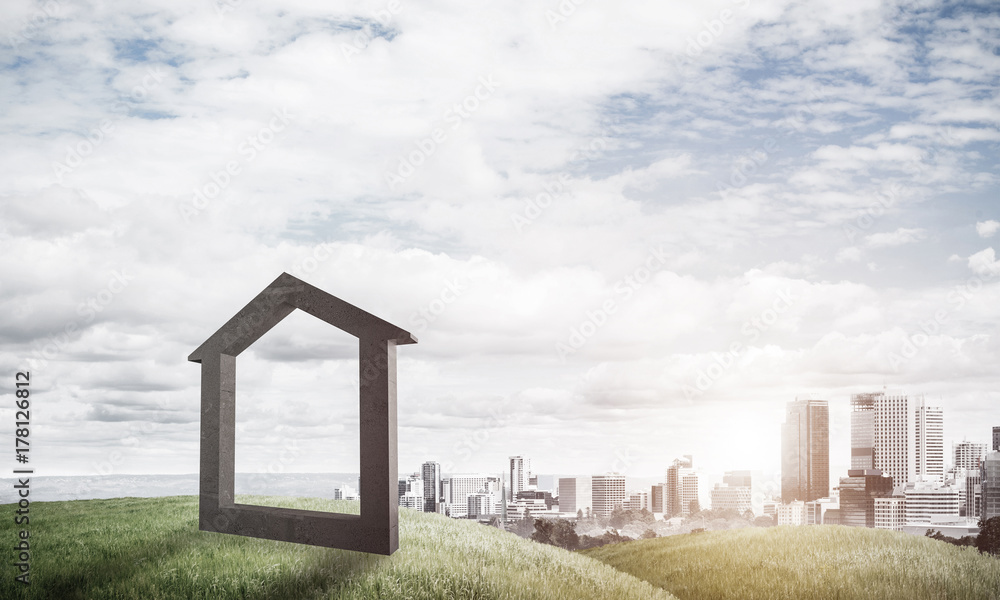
[575, 494]
[658, 498]
[973, 494]
[968, 455]
[929, 442]
[520, 473]
[863, 431]
[989, 473]
[996, 439]
[609, 492]
[895, 444]
[431, 472]
[805, 447]
[857, 496]
[673, 480]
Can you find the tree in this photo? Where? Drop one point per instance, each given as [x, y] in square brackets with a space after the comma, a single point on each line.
[522, 527]
[764, 521]
[618, 518]
[988, 541]
[579, 513]
[556, 533]
[564, 535]
[648, 534]
[694, 507]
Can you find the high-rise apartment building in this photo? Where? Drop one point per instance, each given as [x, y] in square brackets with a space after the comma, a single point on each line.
[989, 473]
[690, 501]
[928, 428]
[968, 455]
[520, 474]
[575, 494]
[608, 492]
[858, 492]
[996, 439]
[431, 474]
[805, 447]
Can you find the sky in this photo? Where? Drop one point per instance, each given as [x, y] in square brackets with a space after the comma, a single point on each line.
[621, 232]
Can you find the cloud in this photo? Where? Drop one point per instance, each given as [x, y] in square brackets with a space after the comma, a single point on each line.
[900, 237]
[984, 262]
[986, 229]
[849, 254]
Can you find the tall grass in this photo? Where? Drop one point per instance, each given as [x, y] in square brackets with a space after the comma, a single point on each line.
[150, 548]
[809, 563]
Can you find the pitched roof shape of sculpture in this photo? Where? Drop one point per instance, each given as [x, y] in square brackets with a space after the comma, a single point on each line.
[375, 530]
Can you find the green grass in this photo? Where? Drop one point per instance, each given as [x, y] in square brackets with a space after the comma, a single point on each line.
[150, 548]
[823, 562]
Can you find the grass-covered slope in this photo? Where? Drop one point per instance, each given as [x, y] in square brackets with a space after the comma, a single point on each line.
[824, 562]
[151, 548]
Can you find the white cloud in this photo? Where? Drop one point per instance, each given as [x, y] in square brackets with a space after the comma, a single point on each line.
[899, 237]
[986, 229]
[849, 254]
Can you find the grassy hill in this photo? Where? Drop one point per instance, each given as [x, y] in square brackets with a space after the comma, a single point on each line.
[150, 548]
[807, 563]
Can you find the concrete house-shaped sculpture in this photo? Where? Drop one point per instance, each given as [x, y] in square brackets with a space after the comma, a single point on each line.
[375, 530]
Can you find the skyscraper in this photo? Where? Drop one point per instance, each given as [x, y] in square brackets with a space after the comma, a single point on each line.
[805, 445]
[929, 442]
[989, 472]
[609, 492]
[431, 472]
[894, 437]
[899, 435]
[575, 494]
[520, 472]
[996, 439]
[863, 431]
